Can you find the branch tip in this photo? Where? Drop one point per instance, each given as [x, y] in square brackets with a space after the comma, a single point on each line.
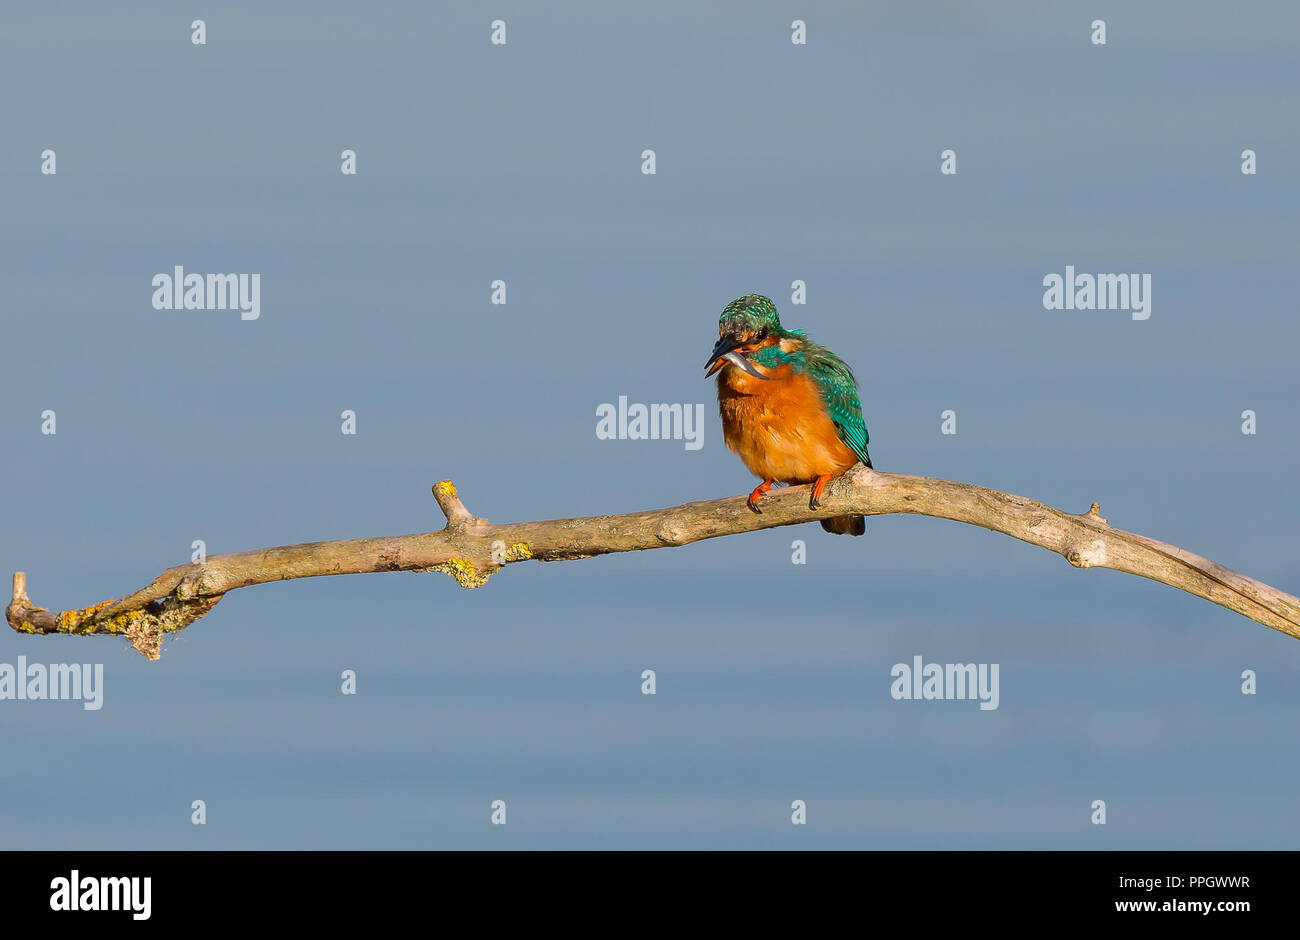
[458, 517]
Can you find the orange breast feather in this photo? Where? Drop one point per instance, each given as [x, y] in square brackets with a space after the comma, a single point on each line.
[779, 428]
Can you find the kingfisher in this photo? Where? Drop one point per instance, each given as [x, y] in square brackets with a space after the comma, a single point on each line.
[790, 408]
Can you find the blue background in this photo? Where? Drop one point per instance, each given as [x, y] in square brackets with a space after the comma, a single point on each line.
[776, 162]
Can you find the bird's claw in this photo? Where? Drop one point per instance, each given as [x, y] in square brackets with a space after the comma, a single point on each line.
[759, 490]
[819, 484]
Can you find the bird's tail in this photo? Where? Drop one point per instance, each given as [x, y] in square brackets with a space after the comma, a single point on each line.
[846, 525]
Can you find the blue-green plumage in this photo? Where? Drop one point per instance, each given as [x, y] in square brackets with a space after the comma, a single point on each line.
[834, 379]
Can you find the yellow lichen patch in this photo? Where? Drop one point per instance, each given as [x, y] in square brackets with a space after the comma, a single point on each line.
[144, 627]
[445, 488]
[518, 552]
[466, 575]
[129, 621]
[80, 621]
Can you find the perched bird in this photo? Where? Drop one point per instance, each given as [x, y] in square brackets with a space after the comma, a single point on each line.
[789, 407]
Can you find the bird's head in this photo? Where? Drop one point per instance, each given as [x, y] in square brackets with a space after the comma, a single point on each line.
[748, 323]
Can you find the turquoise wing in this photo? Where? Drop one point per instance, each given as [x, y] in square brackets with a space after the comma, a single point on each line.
[840, 393]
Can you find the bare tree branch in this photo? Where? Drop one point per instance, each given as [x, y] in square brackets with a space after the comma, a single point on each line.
[470, 550]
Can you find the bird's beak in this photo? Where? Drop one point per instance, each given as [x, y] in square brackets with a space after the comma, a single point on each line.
[730, 350]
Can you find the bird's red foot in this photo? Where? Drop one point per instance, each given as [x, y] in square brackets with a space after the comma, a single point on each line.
[819, 485]
[759, 490]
